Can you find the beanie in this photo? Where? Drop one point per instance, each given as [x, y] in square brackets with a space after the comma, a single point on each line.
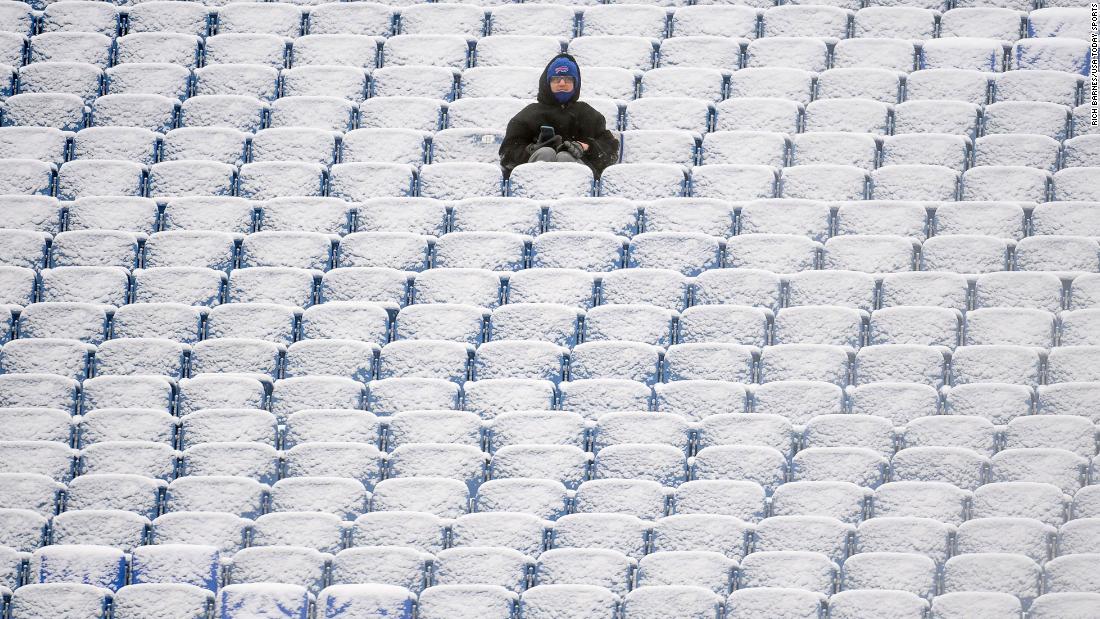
[563, 67]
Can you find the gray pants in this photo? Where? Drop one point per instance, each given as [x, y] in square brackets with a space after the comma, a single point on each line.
[548, 154]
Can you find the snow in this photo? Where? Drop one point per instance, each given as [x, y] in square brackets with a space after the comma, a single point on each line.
[87, 47]
[995, 572]
[39, 390]
[1037, 117]
[28, 177]
[160, 601]
[99, 566]
[797, 400]
[309, 392]
[263, 600]
[79, 78]
[21, 529]
[781, 603]
[59, 601]
[46, 355]
[858, 603]
[323, 532]
[106, 424]
[733, 182]
[345, 498]
[970, 432]
[224, 531]
[454, 427]
[118, 529]
[78, 321]
[788, 569]
[936, 116]
[1021, 499]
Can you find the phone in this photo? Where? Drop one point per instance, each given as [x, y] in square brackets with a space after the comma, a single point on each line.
[545, 133]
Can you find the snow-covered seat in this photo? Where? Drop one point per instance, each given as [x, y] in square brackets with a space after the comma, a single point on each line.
[725, 324]
[695, 82]
[344, 497]
[281, 285]
[221, 144]
[77, 78]
[965, 253]
[60, 600]
[817, 534]
[995, 364]
[135, 600]
[47, 356]
[1065, 217]
[778, 115]
[555, 323]
[92, 564]
[328, 113]
[745, 148]
[857, 465]
[252, 17]
[141, 52]
[547, 20]
[18, 18]
[998, 219]
[405, 146]
[848, 114]
[543, 498]
[657, 145]
[585, 566]
[916, 535]
[806, 21]
[71, 46]
[792, 84]
[1007, 182]
[444, 498]
[982, 22]
[1080, 151]
[483, 566]
[221, 530]
[418, 530]
[59, 110]
[90, 177]
[809, 53]
[31, 492]
[950, 151]
[688, 253]
[974, 53]
[1031, 327]
[915, 182]
[518, 83]
[386, 565]
[456, 180]
[1019, 536]
[444, 19]
[345, 50]
[594, 397]
[645, 499]
[238, 459]
[765, 466]
[516, 50]
[1042, 501]
[237, 79]
[161, 17]
[105, 424]
[831, 148]
[1037, 85]
[120, 529]
[703, 51]
[1050, 605]
[29, 177]
[246, 48]
[268, 597]
[1056, 253]
[954, 430]
[809, 571]
[566, 464]
[1034, 117]
[655, 601]
[858, 603]
[1050, 53]
[733, 182]
[346, 82]
[892, 53]
[622, 51]
[215, 425]
[936, 116]
[33, 424]
[668, 112]
[79, 321]
[414, 113]
[750, 602]
[994, 572]
[1075, 183]
[959, 466]
[438, 50]
[1051, 465]
[647, 21]
[860, 83]
[1071, 573]
[467, 602]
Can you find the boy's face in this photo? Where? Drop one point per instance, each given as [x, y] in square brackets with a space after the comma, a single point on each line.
[561, 84]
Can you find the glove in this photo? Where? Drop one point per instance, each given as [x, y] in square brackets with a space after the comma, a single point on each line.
[574, 149]
[554, 142]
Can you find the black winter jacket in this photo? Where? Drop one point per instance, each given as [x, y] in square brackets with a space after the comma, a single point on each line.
[573, 120]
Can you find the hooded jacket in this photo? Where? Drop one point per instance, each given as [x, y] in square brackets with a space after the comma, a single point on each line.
[572, 120]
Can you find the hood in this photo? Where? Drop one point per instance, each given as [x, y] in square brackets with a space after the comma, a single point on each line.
[547, 97]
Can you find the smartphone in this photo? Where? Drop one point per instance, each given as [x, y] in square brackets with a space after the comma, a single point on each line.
[545, 133]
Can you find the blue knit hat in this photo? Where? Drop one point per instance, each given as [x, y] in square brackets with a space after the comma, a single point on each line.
[563, 67]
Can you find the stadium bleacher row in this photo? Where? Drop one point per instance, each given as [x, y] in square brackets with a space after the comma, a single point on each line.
[279, 339]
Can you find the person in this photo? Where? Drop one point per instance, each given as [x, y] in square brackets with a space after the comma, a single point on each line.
[579, 131]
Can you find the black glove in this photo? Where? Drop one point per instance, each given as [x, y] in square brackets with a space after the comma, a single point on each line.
[554, 142]
[574, 149]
